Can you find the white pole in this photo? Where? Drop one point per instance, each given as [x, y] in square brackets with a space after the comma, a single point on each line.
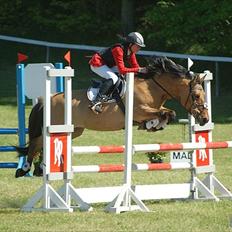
[190, 117]
[68, 116]
[68, 121]
[123, 200]
[46, 140]
[129, 135]
[129, 127]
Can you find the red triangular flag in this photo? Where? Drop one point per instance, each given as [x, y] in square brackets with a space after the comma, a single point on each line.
[21, 57]
[67, 57]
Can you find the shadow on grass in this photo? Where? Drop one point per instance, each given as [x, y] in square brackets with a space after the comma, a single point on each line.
[9, 211]
[12, 203]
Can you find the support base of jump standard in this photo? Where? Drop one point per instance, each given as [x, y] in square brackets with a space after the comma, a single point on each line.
[205, 189]
[122, 202]
[70, 191]
[50, 200]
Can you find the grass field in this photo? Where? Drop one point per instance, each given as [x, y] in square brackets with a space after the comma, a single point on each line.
[164, 215]
[196, 216]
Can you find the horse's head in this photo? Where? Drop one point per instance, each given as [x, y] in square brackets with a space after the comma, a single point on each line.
[188, 89]
[195, 102]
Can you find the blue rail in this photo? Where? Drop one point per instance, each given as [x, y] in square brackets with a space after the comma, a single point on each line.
[8, 165]
[7, 148]
[10, 131]
[21, 131]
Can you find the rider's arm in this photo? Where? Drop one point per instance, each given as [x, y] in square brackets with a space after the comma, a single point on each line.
[133, 61]
[118, 57]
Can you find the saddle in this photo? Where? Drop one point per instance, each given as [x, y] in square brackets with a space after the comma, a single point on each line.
[117, 91]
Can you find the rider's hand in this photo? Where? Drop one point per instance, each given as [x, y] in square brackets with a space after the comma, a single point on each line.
[142, 70]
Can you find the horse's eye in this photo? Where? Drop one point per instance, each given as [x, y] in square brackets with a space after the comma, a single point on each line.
[196, 97]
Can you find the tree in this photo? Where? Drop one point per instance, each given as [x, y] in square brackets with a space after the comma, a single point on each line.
[197, 27]
[127, 16]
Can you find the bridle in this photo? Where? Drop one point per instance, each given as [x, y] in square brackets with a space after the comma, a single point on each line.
[194, 105]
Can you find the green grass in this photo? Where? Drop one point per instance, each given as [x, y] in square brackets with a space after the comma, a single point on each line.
[164, 216]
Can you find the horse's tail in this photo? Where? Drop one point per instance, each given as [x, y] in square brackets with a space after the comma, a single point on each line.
[34, 127]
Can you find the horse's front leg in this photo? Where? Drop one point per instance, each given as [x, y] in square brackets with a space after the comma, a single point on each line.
[171, 114]
[154, 119]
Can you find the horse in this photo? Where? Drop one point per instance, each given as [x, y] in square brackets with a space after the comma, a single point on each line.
[164, 80]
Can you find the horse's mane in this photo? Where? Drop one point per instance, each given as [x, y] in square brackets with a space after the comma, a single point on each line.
[158, 65]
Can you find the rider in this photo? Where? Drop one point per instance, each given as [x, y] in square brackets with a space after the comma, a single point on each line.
[110, 61]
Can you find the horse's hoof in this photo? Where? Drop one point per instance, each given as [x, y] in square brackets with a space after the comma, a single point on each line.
[20, 172]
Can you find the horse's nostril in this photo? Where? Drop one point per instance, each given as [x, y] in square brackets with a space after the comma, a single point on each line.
[204, 121]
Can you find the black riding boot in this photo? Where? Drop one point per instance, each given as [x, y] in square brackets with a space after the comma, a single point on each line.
[102, 95]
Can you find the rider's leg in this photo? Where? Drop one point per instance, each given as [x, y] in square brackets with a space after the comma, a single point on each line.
[104, 90]
[111, 78]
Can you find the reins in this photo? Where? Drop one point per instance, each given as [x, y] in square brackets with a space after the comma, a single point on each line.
[170, 95]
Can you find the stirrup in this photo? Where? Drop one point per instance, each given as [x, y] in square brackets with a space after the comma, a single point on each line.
[96, 108]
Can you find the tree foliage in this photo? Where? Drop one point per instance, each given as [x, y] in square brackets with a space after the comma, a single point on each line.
[200, 27]
[71, 21]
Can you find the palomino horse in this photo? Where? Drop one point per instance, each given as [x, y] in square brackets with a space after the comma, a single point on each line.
[164, 80]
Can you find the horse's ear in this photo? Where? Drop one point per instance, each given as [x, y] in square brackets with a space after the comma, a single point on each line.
[199, 78]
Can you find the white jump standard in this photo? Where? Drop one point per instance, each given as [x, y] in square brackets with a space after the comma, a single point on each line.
[57, 150]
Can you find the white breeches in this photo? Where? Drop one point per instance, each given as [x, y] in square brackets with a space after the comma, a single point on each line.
[106, 72]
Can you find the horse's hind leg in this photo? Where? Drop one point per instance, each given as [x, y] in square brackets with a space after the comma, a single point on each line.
[35, 147]
[37, 155]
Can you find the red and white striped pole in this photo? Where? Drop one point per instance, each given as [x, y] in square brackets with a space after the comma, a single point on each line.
[152, 147]
[97, 149]
[135, 167]
[181, 146]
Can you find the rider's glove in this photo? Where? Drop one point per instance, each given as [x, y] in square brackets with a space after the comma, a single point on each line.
[142, 70]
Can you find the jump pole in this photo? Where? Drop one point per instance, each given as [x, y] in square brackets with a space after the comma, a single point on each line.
[123, 200]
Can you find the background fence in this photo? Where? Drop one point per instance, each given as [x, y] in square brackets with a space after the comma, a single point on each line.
[41, 51]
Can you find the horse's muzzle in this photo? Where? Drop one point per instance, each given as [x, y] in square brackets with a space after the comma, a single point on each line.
[201, 117]
[203, 121]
